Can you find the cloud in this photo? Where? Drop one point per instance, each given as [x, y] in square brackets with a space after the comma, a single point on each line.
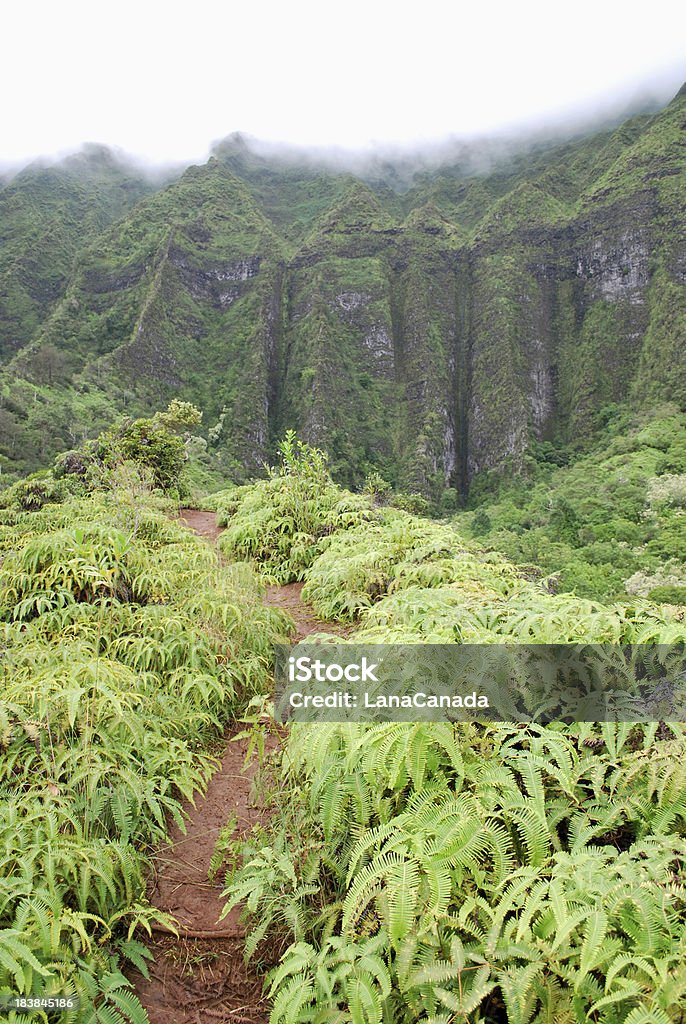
[161, 82]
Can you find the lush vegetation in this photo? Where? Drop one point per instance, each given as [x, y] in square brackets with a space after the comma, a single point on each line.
[430, 324]
[47, 213]
[404, 577]
[124, 649]
[505, 339]
[457, 872]
[279, 523]
[409, 872]
[438, 873]
[157, 452]
[606, 524]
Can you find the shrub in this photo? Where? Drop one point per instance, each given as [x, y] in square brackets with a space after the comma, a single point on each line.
[415, 504]
[668, 594]
[178, 416]
[358, 567]
[146, 444]
[125, 650]
[279, 523]
[669, 489]
[667, 576]
[475, 872]
[31, 494]
[377, 488]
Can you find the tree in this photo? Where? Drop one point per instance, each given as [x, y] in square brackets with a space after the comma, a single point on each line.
[178, 415]
[149, 444]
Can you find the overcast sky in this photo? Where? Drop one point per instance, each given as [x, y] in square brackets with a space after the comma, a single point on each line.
[164, 80]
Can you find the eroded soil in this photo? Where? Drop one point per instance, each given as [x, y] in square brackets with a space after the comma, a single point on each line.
[201, 976]
[306, 622]
[202, 523]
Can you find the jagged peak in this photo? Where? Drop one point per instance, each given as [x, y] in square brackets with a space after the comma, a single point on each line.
[357, 205]
[527, 202]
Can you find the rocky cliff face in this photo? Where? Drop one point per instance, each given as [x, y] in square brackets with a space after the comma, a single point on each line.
[431, 335]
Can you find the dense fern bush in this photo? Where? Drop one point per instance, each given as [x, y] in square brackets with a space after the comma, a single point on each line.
[460, 872]
[227, 502]
[450, 614]
[358, 567]
[439, 872]
[406, 578]
[124, 649]
[35, 491]
[279, 523]
[409, 579]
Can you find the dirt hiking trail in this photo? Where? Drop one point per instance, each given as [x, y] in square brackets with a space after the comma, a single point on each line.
[200, 977]
[286, 597]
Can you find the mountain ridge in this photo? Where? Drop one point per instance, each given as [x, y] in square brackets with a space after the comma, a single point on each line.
[431, 335]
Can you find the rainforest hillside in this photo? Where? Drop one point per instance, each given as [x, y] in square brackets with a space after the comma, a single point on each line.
[609, 522]
[431, 329]
[502, 873]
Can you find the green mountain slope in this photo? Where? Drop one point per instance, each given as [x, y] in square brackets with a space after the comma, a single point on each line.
[432, 333]
[47, 213]
[612, 522]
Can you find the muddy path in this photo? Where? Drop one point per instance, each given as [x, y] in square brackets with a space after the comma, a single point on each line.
[306, 622]
[201, 977]
[287, 597]
[202, 523]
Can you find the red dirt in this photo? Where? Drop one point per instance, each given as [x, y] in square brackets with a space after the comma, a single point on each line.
[201, 976]
[200, 522]
[306, 622]
[288, 596]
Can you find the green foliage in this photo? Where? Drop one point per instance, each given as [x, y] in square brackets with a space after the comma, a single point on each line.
[668, 595]
[146, 444]
[48, 214]
[347, 981]
[178, 415]
[279, 523]
[425, 872]
[125, 650]
[143, 448]
[668, 489]
[361, 565]
[424, 325]
[413, 580]
[377, 488]
[600, 523]
[462, 868]
[416, 504]
[33, 492]
[410, 580]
